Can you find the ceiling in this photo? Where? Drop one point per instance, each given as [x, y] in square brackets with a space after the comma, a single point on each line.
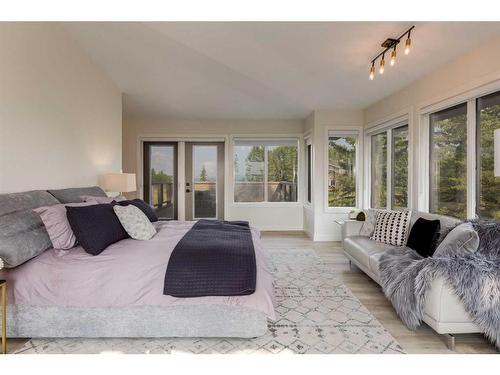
[277, 70]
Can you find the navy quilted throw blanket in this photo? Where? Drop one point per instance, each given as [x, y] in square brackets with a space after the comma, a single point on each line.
[215, 258]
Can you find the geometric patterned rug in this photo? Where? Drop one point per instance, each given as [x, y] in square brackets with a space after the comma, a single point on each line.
[316, 313]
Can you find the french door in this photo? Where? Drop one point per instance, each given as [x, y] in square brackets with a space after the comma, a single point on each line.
[160, 178]
[203, 193]
[204, 190]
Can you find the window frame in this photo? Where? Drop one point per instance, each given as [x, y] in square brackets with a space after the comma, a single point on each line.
[430, 154]
[477, 153]
[309, 172]
[358, 172]
[424, 113]
[266, 203]
[387, 127]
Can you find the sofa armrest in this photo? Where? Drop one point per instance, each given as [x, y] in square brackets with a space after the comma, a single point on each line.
[351, 228]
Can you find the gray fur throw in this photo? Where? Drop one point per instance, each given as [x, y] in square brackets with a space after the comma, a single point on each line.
[475, 278]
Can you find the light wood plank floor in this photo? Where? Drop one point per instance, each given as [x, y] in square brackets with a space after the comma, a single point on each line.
[424, 340]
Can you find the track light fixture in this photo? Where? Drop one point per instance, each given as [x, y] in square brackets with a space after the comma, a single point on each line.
[389, 44]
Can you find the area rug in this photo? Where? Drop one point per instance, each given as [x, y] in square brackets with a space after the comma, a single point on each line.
[316, 313]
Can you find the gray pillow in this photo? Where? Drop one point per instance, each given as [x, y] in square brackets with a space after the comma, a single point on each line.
[72, 195]
[461, 240]
[22, 233]
[102, 200]
[370, 219]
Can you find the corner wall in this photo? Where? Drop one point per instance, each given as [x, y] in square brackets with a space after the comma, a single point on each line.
[60, 116]
[322, 222]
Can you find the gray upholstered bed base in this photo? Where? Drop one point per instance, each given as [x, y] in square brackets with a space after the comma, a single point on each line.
[140, 321]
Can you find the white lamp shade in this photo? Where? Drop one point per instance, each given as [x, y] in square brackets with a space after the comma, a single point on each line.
[497, 153]
[119, 182]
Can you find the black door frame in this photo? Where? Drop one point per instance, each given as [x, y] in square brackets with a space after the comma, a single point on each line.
[146, 175]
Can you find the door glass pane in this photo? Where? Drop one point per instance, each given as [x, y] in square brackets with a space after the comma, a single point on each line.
[248, 173]
[399, 163]
[282, 173]
[162, 187]
[205, 181]
[488, 119]
[379, 171]
[309, 172]
[448, 162]
[341, 171]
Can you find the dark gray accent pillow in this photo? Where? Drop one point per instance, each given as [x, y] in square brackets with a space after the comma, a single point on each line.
[73, 195]
[141, 205]
[95, 227]
[22, 233]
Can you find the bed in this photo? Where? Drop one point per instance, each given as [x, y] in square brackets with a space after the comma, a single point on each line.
[119, 294]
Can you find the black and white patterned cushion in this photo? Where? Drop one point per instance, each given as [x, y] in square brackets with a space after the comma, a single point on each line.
[391, 227]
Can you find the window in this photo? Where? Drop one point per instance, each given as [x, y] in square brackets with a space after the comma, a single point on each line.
[448, 162]
[399, 164]
[389, 163]
[309, 173]
[488, 186]
[341, 171]
[379, 170]
[265, 171]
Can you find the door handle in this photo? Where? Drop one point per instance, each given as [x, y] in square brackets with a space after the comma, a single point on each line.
[188, 190]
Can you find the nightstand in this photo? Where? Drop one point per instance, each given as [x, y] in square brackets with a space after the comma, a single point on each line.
[3, 286]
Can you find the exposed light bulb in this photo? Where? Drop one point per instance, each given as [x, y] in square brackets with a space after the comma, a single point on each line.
[372, 72]
[393, 57]
[408, 45]
[382, 65]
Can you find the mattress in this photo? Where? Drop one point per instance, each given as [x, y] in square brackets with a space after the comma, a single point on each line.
[74, 294]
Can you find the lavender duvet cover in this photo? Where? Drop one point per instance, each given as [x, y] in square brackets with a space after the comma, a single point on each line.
[128, 273]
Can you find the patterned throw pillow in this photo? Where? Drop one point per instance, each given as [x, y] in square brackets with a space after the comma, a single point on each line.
[135, 222]
[391, 227]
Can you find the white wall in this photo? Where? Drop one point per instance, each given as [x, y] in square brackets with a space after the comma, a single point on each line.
[266, 216]
[323, 225]
[475, 72]
[60, 116]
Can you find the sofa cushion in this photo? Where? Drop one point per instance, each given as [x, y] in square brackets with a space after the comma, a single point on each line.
[461, 240]
[73, 195]
[374, 262]
[423, 236]
[361, 248]
[22, 233]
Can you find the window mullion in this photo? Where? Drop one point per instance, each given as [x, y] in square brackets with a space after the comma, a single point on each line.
[471, 158]
[389, 169]
[266, 169]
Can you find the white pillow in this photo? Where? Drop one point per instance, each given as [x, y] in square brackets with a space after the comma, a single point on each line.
[135, 222]
[391, 227]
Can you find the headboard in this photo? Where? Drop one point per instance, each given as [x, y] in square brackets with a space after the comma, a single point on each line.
[22, 233]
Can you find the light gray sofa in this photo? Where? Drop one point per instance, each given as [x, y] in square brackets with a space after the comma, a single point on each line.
[444, 312]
